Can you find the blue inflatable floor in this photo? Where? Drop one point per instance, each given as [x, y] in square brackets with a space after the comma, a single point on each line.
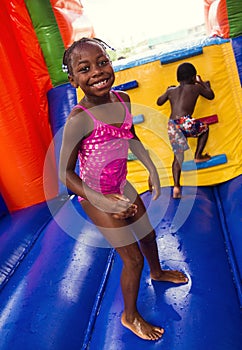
[205, 313]
[65, 292]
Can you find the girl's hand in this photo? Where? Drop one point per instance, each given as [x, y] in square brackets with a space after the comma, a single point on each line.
[154, 185]
[118, 206]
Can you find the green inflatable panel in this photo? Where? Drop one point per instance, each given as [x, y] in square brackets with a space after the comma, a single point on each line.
[234, 8]
[48, 34]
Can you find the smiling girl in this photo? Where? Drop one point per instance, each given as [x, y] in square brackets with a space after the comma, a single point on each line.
[99, 132]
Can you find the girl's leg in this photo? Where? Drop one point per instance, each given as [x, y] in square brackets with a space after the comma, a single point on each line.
[118, 233]
[130, 281]
[144, 232]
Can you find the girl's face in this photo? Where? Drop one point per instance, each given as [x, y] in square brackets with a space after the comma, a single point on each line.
[92, 70]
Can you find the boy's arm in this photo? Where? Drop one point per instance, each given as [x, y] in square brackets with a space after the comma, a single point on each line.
[205, 88]
[162, 99]
[165, 97]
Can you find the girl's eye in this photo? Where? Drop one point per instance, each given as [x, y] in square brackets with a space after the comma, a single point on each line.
[84, 69]
[103, 62]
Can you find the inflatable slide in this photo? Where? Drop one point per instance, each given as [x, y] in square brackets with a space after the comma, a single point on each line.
[59, 279]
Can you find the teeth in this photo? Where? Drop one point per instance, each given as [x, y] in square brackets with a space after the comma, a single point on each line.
[100, 83]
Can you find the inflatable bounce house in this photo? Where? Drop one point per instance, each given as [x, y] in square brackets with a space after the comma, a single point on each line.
[59, 280]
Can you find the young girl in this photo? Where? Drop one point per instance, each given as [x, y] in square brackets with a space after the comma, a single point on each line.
[99, 131]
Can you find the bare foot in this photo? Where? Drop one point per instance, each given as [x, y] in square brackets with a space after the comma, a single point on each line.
[203, 158]
[177, 192]
[142, 328]
[170, 276]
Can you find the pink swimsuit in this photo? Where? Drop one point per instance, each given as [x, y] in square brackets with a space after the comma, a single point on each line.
[103, 154]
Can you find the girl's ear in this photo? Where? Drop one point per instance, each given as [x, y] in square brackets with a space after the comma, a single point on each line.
[72, 81]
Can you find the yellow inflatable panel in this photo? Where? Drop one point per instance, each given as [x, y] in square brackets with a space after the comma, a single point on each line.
[216, 64]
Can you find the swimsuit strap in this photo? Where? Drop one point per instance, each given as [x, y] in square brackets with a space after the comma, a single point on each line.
[124, 104]
[87, 111]
[92, 116]
[121, 100]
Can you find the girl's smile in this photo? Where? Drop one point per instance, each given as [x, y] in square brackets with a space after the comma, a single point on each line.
[101, 84]
[92, 70]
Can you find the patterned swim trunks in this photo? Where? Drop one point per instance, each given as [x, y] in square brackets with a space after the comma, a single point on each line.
[181, 128]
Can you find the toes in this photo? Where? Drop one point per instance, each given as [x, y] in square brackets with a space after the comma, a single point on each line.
[182, 277]
[179, 277]
[156, 333]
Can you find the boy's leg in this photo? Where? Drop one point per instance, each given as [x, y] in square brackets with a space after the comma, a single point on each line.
[178, 140]
[201, 143]
[176, 172]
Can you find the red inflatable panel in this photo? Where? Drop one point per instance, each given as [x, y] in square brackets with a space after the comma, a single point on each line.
[24, 127]
[72, 22]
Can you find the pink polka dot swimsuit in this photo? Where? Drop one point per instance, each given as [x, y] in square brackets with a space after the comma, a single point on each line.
[103, 154]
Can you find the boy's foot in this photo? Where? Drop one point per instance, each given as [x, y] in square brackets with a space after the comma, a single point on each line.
[203, 158]
[172, 276]
[177, 192]
[141, 328]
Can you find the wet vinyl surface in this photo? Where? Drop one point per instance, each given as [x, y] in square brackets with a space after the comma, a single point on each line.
[204, 313]
[65, 293]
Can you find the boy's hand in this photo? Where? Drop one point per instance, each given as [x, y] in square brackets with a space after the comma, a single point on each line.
[198, 79]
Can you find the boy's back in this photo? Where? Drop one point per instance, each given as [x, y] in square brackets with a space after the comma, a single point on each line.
[183, 98]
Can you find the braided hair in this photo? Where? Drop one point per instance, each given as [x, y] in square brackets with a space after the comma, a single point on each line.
[67, 64]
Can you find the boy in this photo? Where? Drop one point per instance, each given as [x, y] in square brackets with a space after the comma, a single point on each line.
[181, 125]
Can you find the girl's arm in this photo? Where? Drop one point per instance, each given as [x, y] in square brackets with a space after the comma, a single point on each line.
[142, 154]
[74, 131]
[72, 135]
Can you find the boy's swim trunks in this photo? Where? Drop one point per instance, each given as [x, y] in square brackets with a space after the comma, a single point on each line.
[181, 128]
